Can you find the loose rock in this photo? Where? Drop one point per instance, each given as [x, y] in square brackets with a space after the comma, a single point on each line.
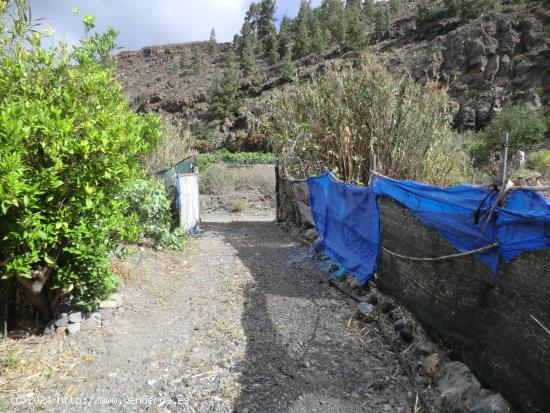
[90, 323]
[405, 328]
[366, 312]
[50, 328]
[494, 403]
[75, 317]
[62, 321]
[425, 348]
[311, 234]
[105, 314]
[433, 364]
[458, 386]
[386, 305]
[72, 329]
[108, 304]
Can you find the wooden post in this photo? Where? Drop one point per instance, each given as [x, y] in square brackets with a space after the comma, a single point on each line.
[505, 148]
[6, 298]
[277, 192]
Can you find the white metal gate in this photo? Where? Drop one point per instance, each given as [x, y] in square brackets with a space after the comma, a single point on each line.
[188, 200]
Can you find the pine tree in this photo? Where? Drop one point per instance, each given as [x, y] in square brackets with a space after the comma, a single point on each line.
[248, 49]
[252, 16]
[273, 49]
[196, 64]
[341, 28]
[184, 60]
[381, 18]
[287, 73]
[231, 59]
[368, 8]
[355, 30]
[330, 14]
[285, 36]
[355, 4]
[395, 6]
[237, 42]
[212, 43]
[223, 98]
[318, 41]
[302, 45]
[266, 28]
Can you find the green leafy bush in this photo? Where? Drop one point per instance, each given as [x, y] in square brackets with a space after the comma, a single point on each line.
[526, 127]
[149, 202]
[540, 161]
[340, 120]
[68, 145]
[239, 158]
[206, 139]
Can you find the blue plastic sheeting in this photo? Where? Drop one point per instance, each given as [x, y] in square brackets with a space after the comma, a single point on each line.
[348, 220]
[450, 211]
[522, 224]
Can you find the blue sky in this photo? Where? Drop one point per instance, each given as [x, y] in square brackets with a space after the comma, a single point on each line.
[145, 22]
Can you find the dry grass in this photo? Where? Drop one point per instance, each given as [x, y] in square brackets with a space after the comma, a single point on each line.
[261, 177]
[177, 145]
[35, 365]
[122, 270]
[239, 205]
[216, 180]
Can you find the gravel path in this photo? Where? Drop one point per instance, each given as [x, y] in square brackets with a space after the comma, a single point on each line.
[231, 325]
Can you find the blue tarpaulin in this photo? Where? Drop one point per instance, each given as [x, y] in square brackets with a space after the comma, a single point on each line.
[348, 220]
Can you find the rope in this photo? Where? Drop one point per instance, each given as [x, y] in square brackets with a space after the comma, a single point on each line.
[444, 257]
[533, 188]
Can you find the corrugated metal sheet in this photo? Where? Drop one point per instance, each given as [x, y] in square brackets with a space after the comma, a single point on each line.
[188, 200]
[184, 167]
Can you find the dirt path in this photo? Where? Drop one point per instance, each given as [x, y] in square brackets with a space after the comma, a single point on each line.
[231, 325]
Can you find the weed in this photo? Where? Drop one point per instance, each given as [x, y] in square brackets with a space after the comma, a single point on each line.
[216, 180]
[239, 205]
[540, 161]
[11, 360]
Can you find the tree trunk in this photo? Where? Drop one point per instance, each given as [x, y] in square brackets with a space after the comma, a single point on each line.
[37, 294]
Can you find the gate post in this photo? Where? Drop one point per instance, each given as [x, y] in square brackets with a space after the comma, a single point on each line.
[277, 192]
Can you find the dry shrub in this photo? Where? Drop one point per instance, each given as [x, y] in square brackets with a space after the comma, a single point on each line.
[122, 270]
[239, 205]
[216, 180]
[261, 177]
[177, 145]
[540, 162]
[339, 120]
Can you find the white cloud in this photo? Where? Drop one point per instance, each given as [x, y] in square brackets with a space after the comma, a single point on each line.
[142, 22]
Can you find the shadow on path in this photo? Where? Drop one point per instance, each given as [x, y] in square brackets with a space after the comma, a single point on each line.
[301, 356]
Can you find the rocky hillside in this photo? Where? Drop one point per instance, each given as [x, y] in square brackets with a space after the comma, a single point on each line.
[498, 59]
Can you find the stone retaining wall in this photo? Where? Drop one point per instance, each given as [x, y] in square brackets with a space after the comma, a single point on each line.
[485, 320]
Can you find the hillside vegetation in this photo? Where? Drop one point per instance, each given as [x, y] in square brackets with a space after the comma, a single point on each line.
[486, 56]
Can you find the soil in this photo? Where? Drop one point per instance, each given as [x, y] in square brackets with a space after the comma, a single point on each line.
[232, 324]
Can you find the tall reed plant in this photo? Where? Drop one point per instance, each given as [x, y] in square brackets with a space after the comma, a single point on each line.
[344, 118]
